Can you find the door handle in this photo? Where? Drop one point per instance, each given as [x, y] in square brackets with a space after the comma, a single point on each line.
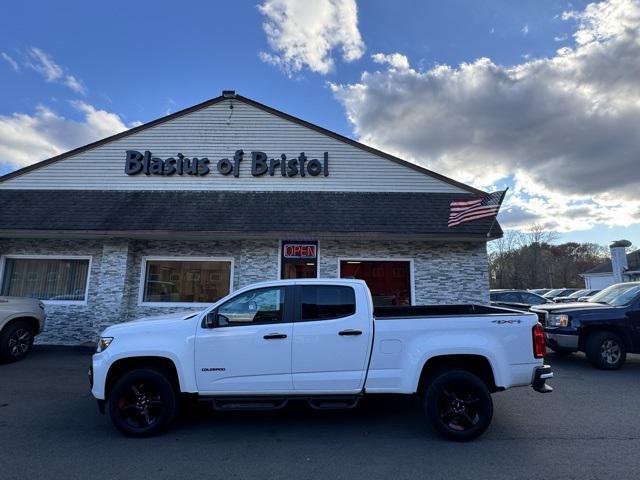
[350, 332]
[275, 336]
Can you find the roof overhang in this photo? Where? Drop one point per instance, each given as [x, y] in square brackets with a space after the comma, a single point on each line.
[217, 235]
[599, 274]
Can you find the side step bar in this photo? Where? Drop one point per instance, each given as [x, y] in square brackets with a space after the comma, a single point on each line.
[247, 404]
[265, 403]
[335, 403]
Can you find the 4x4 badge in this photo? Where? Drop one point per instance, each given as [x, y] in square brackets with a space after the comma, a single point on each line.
[502, 322]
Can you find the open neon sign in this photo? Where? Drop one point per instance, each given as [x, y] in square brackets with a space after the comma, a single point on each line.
[297, 250]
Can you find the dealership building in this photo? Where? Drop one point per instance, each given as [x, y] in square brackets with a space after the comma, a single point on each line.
[174, 214]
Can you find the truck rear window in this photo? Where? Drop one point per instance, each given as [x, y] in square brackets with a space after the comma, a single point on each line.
[326, 302]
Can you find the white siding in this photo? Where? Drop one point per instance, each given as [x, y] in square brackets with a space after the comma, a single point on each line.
[598, 281]
[217, 132]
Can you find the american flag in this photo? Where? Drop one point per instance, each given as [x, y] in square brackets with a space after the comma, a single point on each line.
[474, 208]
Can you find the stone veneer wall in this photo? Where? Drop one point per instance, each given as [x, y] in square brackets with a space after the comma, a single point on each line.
[65, 324]
[443, 273]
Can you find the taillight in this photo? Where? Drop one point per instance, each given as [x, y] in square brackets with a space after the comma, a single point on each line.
[539, 344]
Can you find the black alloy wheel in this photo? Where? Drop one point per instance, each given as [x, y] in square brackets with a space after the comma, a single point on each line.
[459, 405]
[16, 341]
[606, 350]
[142, 403]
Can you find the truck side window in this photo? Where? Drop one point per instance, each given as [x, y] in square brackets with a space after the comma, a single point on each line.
[260, 306]
[326, 302]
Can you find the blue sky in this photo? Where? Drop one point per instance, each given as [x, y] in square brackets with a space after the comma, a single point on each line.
[135, 61]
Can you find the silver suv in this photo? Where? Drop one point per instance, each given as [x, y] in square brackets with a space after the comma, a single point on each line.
[21, 319]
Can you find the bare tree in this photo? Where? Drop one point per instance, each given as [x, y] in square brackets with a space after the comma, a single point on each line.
[531, 259]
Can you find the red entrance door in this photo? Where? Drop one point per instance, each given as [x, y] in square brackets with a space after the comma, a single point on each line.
[389, 281]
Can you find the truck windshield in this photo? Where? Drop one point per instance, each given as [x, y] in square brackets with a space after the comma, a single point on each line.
[552, 293]
[617, 295]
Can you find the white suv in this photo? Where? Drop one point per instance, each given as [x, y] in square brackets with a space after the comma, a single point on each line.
[21, 319]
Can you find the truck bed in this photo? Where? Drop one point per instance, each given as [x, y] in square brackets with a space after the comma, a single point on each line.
[399, 312]
[402, 346]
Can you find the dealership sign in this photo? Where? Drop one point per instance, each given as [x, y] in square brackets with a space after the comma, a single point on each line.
[145, 163]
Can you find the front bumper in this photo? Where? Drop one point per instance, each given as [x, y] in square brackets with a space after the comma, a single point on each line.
[561, 340]
[540, 376]
[101, 403]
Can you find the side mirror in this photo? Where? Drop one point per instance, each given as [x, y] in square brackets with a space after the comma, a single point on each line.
[211, 319]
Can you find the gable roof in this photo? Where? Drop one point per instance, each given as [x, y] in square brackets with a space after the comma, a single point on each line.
[633, 261]
[248, 101]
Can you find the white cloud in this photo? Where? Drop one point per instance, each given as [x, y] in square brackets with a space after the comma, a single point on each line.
[74, 84]
[304, 34]
[44, 64]
[26, 139]
[394, 60]
[525, 30]
[564, 127]
[9, 59]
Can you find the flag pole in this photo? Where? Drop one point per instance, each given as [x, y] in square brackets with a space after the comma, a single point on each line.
[504, 194]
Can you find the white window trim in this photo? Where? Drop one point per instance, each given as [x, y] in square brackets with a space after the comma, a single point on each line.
[4, 258]
[384, 259]
[282, 240]
[143, 270]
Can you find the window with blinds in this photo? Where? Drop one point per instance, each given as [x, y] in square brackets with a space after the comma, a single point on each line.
[53, 279]
[185, 280]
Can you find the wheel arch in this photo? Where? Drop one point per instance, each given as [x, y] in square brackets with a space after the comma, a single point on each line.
[31, 320]
[619, 330]
[162, 364]
[477, 364]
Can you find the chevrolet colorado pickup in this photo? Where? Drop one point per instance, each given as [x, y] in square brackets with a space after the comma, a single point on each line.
[322, 342]
[606, 328]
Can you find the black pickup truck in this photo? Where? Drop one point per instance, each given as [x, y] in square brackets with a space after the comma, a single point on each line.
[606, 329]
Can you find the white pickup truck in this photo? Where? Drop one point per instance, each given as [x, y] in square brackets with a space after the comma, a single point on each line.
[322, 342]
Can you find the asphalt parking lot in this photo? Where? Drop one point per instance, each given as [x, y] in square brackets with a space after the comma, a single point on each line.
[588, 428]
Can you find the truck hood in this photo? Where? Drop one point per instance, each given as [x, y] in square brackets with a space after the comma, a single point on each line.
[573, 306]
[150, 321]
[20, 301]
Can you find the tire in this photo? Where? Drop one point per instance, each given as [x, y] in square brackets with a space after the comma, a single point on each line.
[459, 405]
[16, 341]
[142, 403]
[606, 350]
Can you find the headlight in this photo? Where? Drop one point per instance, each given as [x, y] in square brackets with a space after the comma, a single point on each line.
[558, 320]
[104, 343]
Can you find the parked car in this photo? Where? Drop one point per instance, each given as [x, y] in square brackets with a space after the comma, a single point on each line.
[518, 299]
[21, 319]
[558, 293]
[606, 329]
[587, 298]
[575, 296]
[539, 291]
[313, 341]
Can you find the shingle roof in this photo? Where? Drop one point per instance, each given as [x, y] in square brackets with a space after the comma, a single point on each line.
[422, 214]
[633, 260]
